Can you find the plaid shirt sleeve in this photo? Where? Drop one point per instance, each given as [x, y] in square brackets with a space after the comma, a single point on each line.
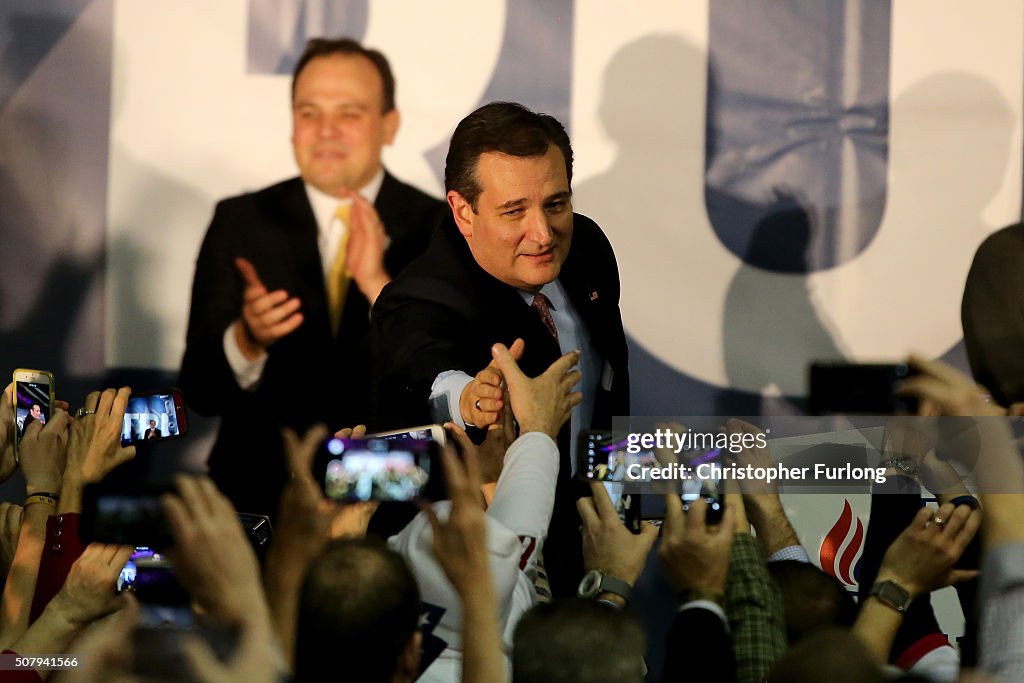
[754, 607]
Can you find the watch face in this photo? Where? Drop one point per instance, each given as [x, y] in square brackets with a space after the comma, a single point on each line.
[893, 594]
[590, 584]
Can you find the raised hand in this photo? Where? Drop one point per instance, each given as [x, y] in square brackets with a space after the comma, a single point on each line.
[921, 558]
[367, 242]
[43, 453]
[694, 554]
[544, 403]
[266, 316]
[94, 448]
[608, 545]
[212, 558]
[482, 399]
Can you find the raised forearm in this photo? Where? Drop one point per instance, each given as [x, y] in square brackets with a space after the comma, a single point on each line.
[483, 660]
[21, 580]
[774, 532]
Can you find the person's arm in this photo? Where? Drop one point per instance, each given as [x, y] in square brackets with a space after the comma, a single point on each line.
[460, 547]
[305, 523]
[919, 561]
[90, 592]
[42, 453]
[695, 561]
[608, 546]
[94, 449]
[761, 498]
[754, 607]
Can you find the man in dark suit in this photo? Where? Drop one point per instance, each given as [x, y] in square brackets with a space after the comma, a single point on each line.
[512, 262]
[286, 275]
[152, 432]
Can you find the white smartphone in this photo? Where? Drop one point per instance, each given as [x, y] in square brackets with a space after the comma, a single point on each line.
[433, 432]
[33, 399]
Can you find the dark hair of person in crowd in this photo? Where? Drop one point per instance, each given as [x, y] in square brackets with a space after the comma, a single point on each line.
[812, 599]
[358, 614]
[328, 47]
[577, 641]
[834, 655]
[505, 128]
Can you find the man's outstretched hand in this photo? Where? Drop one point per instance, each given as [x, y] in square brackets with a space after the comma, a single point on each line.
[266, 316]
[544, 403]
[482, 399]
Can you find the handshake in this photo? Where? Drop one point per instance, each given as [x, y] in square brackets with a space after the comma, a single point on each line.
[501, 392]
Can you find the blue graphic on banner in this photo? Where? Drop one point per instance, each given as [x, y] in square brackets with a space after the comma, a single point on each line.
[534, 66]
[28, 31]
[797, 129]
[279, 29]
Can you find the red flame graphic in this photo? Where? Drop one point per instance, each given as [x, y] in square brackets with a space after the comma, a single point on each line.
[834, 540]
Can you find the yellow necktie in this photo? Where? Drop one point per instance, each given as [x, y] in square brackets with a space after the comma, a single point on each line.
[338, 280]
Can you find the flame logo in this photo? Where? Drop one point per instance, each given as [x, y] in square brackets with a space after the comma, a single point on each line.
[828, 556]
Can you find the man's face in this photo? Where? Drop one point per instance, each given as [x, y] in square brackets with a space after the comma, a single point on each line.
[338, 128]
[522, 227]
[36, 411]
[152, 424]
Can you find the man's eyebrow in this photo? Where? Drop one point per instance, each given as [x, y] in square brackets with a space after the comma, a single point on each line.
[511, 204]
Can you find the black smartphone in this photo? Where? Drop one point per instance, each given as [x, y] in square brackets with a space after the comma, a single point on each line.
[154, 416]
[706, 487]
[258, 531]
[125, 514]
[859, 388]
[393, 470]
[33, 399]
[603, 456]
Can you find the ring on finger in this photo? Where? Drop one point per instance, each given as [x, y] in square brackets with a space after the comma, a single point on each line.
[477, 404]
[83, 411]
[938, 521]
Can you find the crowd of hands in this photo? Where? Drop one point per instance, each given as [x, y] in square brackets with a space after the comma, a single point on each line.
[215, 563]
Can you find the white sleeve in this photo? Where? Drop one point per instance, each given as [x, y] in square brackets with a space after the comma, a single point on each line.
[525, 495]
[447, 387]
[247, 372]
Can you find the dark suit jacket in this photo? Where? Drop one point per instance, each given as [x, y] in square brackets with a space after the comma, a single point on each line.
[698, 648]
[445, 312]
[310, 375]
[993, 314]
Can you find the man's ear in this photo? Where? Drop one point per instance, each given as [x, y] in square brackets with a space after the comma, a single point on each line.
[463, 213]
[392, 119]
[409, 661]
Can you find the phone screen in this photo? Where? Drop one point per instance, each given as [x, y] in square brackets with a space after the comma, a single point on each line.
[708, 488]
[607, 461]
[32, 404]
[153, 416]
[375, 469]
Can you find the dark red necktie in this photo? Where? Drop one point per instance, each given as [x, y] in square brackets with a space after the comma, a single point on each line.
[541, 305]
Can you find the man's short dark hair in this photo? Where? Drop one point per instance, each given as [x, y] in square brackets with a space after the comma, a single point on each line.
[503, 127]
[359, 598]
[812, 600]
[327, 47]
[834, 655]
[577, 641]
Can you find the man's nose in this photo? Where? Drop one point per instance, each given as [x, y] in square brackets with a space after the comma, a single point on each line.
[538, 229]
[330, 126]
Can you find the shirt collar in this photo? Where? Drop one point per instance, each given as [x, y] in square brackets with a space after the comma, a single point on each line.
[325, 205]
[552, 290]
